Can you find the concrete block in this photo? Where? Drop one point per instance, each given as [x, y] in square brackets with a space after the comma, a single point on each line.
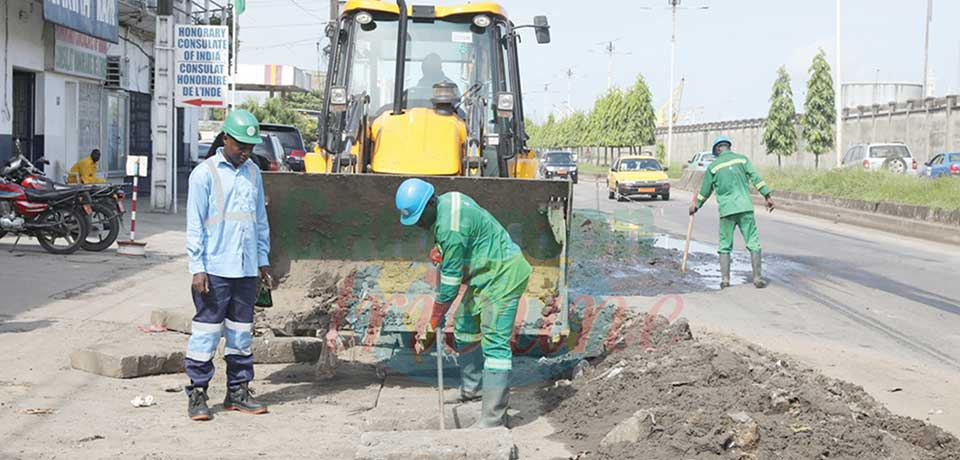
[424, 418]
[282, 350]
[469, 444]
[174, 319]
[133, 355]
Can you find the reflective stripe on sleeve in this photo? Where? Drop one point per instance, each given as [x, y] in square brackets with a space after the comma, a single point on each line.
[761, 185]
[455, 213]
[450, 280]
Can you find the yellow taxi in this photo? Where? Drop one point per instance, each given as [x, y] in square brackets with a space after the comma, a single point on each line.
[637, 175]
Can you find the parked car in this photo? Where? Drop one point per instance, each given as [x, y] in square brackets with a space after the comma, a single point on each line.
[700, 161]
[292, 142]
[943, 165]
[894, 157]
[558, 165]
[638, 175]
[202, 150]
[268, 155]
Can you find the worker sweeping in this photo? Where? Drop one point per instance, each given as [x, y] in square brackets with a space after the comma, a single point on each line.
[730, 175]
[474, 249]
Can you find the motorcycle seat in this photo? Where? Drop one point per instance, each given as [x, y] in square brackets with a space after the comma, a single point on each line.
[42, 196]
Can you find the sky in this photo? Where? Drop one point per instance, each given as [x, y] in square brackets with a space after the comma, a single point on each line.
[727, 54]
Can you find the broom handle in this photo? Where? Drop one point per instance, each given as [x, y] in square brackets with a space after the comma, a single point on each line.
[686, 245]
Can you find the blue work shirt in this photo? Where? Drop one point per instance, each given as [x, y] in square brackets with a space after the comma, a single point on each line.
[227, 230]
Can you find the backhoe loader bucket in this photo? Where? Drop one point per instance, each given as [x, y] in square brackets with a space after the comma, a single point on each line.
[336, 239]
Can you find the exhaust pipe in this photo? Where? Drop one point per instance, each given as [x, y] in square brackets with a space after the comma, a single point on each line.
[401, 59]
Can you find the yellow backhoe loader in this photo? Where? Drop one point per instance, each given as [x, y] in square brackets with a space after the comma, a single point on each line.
[426, 91]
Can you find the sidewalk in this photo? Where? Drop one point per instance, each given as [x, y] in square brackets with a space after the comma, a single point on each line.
[97, 297]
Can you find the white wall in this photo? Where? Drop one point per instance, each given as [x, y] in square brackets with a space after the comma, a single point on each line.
[135, 62]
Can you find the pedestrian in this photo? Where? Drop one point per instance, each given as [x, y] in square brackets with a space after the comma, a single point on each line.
[731, 175]
[228, 243]
[474, 249]
[84, 171]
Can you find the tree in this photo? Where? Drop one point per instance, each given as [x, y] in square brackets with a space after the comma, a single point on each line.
[275, 110]
[639, 118]
[312, 100]
[780, 133]
[661, 153]
[819, 111]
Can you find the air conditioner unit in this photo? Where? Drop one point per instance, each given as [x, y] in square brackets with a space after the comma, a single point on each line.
[117, 72]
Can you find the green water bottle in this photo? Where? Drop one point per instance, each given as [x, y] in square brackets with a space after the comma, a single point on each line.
[264, 297]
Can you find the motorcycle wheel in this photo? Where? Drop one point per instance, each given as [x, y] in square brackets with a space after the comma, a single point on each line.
[67, 235]
[104, 228]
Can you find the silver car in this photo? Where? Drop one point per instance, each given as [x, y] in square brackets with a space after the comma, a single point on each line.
[700, 161]
[894, 157]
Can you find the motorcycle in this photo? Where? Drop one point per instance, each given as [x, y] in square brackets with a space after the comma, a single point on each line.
[57, 219]
[107, 209]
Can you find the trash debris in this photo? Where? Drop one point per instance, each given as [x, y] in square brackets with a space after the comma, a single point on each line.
[895, 390]
[152, 329]
[172, 387]
[581, 367]
[143, 401]
[90, 438]
[799, 428]
[37, 411]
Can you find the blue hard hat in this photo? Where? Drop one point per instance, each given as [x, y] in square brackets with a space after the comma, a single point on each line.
[412, 198]
[720, 140]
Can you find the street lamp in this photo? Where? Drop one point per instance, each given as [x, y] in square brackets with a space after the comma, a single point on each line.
[837, 95]
[673, 62]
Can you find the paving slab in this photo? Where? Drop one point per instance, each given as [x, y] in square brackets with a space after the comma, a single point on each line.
[468, 444]
[132, 354]
[283, 350]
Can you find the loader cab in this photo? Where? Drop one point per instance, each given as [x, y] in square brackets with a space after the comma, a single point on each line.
[459, 87]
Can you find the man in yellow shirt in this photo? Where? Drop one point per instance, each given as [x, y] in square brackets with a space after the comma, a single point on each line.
[85, 171]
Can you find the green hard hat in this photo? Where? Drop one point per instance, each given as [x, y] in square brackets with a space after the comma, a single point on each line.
[242, 126]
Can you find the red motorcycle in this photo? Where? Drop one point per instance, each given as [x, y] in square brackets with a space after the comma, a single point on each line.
[57, 219]
[106, 201]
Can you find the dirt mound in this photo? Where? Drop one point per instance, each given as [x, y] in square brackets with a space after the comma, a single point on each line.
[666, 395]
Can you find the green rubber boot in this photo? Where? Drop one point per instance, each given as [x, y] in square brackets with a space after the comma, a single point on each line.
[756, 261]
[724, 271]
[471, 373]
[496, 397]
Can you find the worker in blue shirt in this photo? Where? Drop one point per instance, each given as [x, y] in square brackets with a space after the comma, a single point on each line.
[228, 242]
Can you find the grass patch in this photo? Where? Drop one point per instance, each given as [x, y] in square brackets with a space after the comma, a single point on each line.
[857, 184]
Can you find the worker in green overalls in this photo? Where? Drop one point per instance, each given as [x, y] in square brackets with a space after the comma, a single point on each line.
[730, 175]
[477, 251]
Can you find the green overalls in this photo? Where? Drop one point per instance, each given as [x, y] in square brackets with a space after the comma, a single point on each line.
[476, 248]
[731, 175]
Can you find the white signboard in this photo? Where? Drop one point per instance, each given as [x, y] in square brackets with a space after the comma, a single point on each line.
[201, 72]
[137, 165]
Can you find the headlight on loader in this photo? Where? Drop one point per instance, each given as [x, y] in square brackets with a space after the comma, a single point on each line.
[505, 104]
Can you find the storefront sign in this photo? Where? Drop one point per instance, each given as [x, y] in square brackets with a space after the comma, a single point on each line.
[97, 18]
[78, 54]
[202, 56]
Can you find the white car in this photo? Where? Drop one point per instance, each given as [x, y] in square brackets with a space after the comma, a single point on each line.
[894, 157]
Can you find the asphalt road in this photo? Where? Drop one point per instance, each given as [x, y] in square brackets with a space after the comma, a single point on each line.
[879, 309]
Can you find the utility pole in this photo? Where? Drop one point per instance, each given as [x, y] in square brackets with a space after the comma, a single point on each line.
[673, 62]
[837, 95]
[569, 74]
[926, 49]
[334, 10]
[234, 19]
[610, 50]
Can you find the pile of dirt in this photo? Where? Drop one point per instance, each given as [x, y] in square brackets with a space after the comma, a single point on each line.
[666, 395]
[609, 257]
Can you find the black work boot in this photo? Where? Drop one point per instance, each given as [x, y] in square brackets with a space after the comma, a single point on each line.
[756, 261]
[241, 399]
[197, 404]
[724, 271]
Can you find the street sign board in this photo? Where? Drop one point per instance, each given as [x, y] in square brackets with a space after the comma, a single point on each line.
[99, 19]
[202, 65]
